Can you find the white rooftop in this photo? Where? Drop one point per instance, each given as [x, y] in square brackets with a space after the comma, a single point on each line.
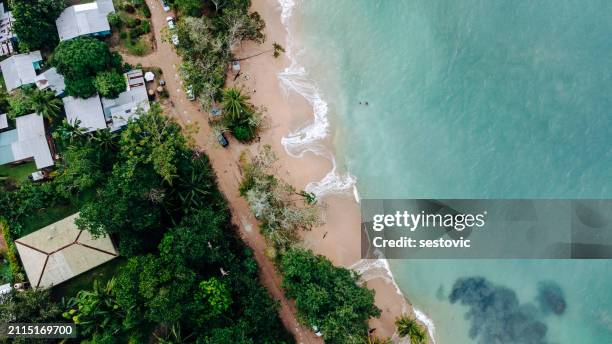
[84, 19]
[51, 79]
[60, 251]
[19, 69]
[3, 121]
[6, 32]
[25, 142]
[87, 111]
[127, 104]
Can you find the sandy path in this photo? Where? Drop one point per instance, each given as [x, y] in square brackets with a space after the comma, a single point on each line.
[339, 238]
[224, 162]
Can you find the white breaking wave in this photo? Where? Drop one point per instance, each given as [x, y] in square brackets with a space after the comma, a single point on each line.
[310, 137]
[370, 269]
[425, 320]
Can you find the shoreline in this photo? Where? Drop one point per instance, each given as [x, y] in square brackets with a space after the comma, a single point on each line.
[339, 239]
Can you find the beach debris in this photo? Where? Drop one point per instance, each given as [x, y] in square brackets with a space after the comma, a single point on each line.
[236, 66]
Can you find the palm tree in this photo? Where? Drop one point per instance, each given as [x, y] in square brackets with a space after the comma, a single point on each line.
[68, 133]
[97, 310]
[45, 103]
[173, 335]
[407, 326]
[235, 104]
[105, 139]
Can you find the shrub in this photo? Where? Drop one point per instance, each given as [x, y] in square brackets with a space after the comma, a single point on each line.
[145, 11]
[129, 8]
[123, 35]
[145, 26]
[115, 20]
[130, 22]
[11, 253]
[136, 32]
[243, 133]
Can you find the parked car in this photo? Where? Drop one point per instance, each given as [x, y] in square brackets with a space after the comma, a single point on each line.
[165, 6]
[170, 22]
[190, 94]
[222, 140]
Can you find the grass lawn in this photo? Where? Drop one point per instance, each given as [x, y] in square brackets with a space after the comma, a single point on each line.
[5, 272]
[18, 173]
[132, 27]
[138, 47]
[84, 281]
[46, 216]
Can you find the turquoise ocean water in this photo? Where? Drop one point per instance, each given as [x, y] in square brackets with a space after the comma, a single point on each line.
[474, 99]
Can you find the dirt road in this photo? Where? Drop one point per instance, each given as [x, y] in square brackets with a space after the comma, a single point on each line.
[224, 161]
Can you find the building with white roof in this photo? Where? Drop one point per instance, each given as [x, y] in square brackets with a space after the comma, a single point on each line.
[27, 141]
[3, 121]
[19, 70]
[7, 38]
[52, 80]
[61, 251]
[85, 19]
[118, 111]
[96, 113]
[87, 112]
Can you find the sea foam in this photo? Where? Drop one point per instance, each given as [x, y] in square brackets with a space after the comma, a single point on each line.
[310, 138]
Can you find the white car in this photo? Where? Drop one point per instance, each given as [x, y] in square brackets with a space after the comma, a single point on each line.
[170, 22]
[190, 95]
[165, 6]
[171, 26]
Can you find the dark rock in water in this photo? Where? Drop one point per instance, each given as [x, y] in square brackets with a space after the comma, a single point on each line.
[550, 297]
[495, 314]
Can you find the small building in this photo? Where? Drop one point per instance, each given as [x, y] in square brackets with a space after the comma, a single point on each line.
[61, 251]
[3, 121]
[87, 112]
[52, 80]
[120, 110]
[88, 19]
[27, 141]
[7, 38]
[96, 113]
[19, 70]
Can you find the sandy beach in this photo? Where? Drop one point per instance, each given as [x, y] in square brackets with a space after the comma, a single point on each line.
[339, 238]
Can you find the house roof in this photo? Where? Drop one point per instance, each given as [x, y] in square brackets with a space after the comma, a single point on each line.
[84, 19]
[28, 140]
[19, 69]
[51, 79]
[60, 251]
[87, 111]
[126, 105]
[3, 121]
[6, 20]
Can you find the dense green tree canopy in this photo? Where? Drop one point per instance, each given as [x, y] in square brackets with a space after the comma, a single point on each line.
[35, 23]
[327, 296]
[80, 60]
[109, 84]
